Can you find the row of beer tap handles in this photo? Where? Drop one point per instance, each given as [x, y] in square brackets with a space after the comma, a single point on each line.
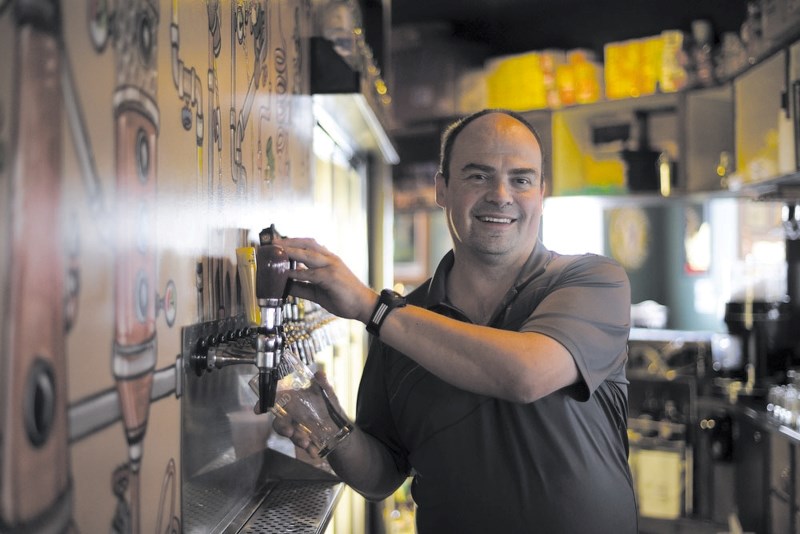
[279, 322]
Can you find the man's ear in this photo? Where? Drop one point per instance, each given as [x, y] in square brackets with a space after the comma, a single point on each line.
[441, 189]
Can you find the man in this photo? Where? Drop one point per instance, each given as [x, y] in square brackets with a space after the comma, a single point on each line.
[500, 386]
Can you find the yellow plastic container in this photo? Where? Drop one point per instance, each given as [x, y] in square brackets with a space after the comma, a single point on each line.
[516, 82]
[633, 67]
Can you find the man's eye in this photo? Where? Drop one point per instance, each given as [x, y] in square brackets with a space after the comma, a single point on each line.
[523, 181]
[478, 177]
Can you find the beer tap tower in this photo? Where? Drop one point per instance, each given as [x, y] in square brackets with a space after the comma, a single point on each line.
[264, 348]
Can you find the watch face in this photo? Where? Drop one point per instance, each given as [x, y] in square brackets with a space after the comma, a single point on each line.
[392, 298]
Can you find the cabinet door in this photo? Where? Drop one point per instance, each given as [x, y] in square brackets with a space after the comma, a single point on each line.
[589, 142]
[751, 456]
[781, 467]
[764, 136]
[707, 137]
[780, 515]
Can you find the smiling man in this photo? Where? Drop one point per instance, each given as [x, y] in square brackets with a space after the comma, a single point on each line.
[495, 202]
[499, 384]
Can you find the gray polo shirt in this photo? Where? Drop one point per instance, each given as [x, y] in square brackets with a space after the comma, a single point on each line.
[482, 464]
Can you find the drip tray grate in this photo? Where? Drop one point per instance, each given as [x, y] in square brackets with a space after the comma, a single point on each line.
[294, 506]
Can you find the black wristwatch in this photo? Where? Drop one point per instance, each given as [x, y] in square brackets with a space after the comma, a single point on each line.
[387, 301]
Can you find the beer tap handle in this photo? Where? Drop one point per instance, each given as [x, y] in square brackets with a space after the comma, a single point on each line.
[264, 381]
[272, 266]
[246, 266]
[272, 277]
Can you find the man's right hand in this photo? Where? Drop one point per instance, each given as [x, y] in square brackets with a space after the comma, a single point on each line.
[325, 279]
[288, 427]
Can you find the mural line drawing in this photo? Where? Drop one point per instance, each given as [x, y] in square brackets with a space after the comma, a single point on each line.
[36, 484]
[190, 91]
[33, 374]
[40, 422]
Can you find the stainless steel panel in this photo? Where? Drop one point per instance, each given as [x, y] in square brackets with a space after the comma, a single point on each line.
[231, 481]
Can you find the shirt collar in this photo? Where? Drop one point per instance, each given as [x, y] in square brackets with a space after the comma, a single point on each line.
[435, 290]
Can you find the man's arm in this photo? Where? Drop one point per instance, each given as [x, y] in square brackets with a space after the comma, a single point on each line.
[361, 461]
[366, 465]
[516, 366]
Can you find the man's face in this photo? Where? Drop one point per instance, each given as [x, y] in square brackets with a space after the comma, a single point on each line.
[493, 198]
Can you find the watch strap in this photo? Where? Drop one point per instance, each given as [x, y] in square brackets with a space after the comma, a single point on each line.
[387, 301]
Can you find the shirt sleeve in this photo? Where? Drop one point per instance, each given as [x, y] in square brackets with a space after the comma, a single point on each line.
[373, 412]
[587, 310]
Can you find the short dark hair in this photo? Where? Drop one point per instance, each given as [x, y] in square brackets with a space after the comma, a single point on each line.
[451, 132]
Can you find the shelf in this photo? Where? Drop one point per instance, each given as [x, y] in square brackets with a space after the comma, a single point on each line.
[653, 103]
[647, 102]
[350, 116]
[694, 126]
[656, 100]
[341, 104]
[780, 188]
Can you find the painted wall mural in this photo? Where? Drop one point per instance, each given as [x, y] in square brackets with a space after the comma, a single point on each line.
[141, 142]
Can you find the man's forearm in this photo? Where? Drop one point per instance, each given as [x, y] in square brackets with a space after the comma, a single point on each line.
[365, 465]
[515, 366]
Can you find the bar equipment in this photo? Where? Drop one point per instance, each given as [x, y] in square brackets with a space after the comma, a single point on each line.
[791, 228]
[647, 169]
[231, 478]
[765, 327]
[262, 344]
[764, 331]
[282, 322]
[666, 370]
[272, 266]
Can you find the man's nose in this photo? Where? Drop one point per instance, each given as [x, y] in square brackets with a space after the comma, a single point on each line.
[499, 193]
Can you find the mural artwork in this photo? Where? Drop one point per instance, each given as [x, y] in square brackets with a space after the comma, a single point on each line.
[138, 139]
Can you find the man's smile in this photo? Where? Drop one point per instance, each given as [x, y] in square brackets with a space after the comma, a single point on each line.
[495, 219]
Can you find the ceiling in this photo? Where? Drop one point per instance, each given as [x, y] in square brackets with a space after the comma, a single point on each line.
[512, 26]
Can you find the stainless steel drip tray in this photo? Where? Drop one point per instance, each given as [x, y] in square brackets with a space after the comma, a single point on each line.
[302, 506]
[294, 498]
